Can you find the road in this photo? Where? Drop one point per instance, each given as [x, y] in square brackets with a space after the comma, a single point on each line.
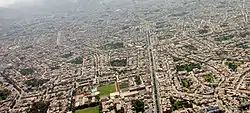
[152, 72]
[241, 78]
[15, 86]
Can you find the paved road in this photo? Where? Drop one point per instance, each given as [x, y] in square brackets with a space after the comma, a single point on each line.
[16, 87]
[240, 80]
[152, 69]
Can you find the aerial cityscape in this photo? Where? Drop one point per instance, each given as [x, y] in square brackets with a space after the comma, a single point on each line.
[125, 56]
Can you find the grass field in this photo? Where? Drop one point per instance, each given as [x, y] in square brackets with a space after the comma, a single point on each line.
[105, 90]
[89, 110]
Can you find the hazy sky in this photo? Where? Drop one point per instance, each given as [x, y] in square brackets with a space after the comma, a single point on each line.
[6, 3]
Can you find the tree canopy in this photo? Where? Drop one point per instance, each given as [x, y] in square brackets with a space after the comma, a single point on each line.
[39, 107]
[119, 63]
[26, 71]
[4, 93]
[138, 106]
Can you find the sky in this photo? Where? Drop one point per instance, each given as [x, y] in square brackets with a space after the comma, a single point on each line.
[6, 3]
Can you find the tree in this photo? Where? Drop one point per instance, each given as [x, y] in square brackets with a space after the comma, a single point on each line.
[181, 104]
[27, 71]
[120, 111]
[36, 82]
[209, 78]
[97, 98]
[119, 63]
[77, 60]
[4, 93]
[60, 106]
[186, 83]
[232, 66]
[137, 80]
[138, 106]
[74, 93]
[39, 107]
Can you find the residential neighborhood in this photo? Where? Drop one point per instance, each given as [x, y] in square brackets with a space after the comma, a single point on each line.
[125, 56]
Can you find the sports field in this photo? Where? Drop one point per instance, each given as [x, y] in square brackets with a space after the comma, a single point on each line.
[89, 110]
[106, 89]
